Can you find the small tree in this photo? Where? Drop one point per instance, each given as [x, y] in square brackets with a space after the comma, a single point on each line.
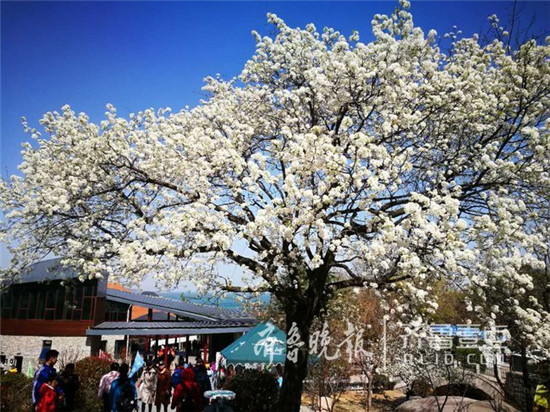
[90, 371]
[327, 382]
[370, 316]
[69, 355]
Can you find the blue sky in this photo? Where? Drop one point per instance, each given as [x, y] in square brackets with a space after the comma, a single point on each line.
[137, 55]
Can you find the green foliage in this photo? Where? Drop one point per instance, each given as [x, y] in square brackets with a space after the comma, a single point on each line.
[256, 391]
[381, 383]
[452, 306]
[90, 370]
[469, 357]
[15, 392]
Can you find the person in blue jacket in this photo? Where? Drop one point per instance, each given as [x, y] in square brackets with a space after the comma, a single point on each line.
[43, 374]
[123, 394]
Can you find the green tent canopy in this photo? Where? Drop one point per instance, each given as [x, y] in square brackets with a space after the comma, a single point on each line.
[263, 344]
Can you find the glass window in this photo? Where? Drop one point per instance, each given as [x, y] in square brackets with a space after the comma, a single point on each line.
[87, 309]
[78, 296]
[50, 299]
[32, 304]
[7, 304]
[59, 303]
[40, 303]
[88, 290]
[23, 306]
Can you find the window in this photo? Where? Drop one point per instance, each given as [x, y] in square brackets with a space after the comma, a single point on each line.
[40, 303]
[50, 301]
[87, 309]
[32, 304]
[46, 346]
[23, 306]
[60, 304]
[120, 348]
[7, 304]
[116, 312]
[49, 307]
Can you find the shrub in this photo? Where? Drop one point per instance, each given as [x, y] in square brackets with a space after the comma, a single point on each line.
[381, 383]
[15, 392]
[90, 370]
[469, 357]
[256, 391]
[420, 387]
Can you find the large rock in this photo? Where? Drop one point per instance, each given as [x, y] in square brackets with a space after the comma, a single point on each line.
[453, 403]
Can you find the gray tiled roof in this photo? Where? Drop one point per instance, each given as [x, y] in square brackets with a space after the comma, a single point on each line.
[169, 328]
[187, 309]
[47, 270]
[172, 325]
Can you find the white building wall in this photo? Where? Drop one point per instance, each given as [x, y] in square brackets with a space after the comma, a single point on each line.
[110, 344]
[70, 348]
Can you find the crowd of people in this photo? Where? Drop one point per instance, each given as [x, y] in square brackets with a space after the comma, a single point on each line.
[154, 385]
[182, 390]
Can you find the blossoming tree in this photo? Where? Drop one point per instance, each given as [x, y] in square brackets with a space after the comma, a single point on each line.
[325, 155]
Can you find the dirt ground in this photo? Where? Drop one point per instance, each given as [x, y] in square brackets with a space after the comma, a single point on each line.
[353, 401]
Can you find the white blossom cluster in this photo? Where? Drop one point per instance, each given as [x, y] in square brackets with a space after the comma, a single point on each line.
[325, 155]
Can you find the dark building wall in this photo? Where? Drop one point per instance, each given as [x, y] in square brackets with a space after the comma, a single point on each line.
[53, 308]
[33, 327]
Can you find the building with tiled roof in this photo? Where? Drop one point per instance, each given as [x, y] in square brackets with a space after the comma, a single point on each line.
[52, 307]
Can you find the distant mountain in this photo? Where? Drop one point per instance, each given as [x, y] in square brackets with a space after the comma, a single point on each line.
[229, 302]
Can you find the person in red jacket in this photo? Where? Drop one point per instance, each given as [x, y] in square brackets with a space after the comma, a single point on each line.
[187, 396]
[49, 398]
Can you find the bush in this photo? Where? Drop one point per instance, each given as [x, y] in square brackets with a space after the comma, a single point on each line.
[381, 383]
[256, 391]
[15, 392]
[420, 387]
[469, 358]
[90, 370]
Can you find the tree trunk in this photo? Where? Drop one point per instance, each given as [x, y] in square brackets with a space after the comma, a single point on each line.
[528, 395]
[301, 307]
[290, 397]
[369, 392]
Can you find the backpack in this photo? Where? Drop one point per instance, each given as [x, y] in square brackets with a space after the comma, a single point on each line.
[126, 401]
[176, 377]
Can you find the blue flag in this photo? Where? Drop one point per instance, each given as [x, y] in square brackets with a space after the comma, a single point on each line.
[138, 363]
